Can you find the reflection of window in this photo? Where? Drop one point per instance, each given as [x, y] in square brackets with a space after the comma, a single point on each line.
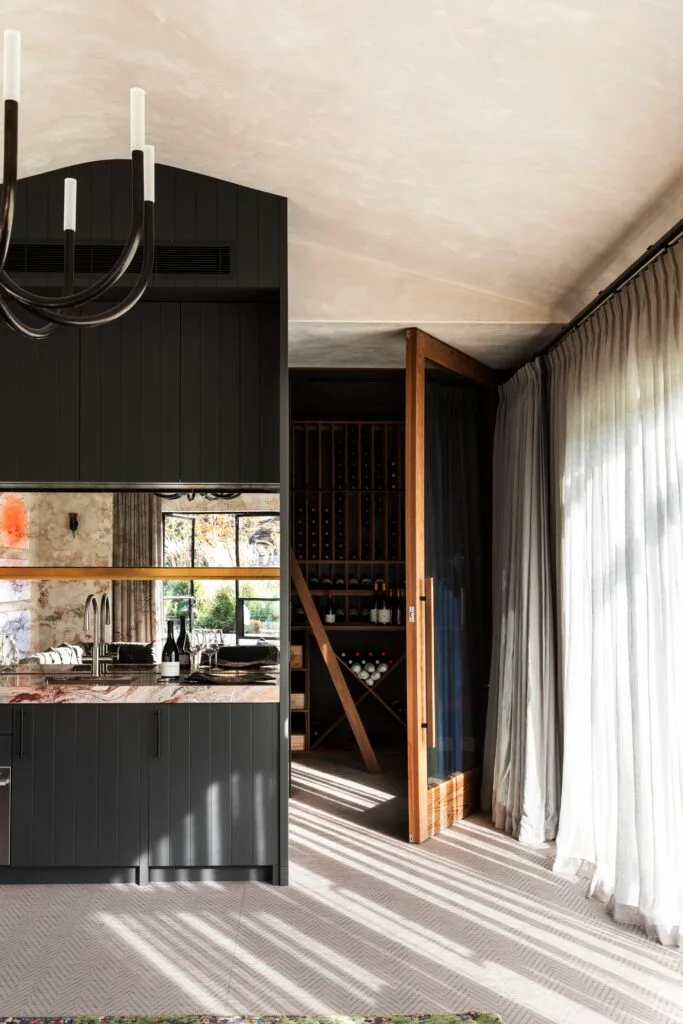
[246, 609]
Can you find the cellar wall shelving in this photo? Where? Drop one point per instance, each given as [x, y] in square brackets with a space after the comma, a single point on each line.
[348, 535]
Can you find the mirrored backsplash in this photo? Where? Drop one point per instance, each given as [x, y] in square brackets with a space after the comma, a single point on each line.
[137, 529]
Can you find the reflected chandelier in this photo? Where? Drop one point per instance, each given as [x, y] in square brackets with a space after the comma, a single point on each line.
[54, 311]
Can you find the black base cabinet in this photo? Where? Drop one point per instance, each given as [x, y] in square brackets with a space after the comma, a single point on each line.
[136, 792]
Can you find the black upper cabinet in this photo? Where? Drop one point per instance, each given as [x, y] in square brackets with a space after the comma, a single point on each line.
[185, 387]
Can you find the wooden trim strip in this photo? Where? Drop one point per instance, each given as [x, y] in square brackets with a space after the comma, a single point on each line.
[111, 572]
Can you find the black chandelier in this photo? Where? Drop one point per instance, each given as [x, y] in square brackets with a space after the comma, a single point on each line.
[55, 311]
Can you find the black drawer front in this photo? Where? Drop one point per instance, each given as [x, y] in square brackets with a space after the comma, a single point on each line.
[5, 719]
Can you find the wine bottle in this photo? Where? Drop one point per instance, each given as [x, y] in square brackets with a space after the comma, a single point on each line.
[354, 614]
[330, 616]
[339, 614]
[339, 581]
[353, 582]
[365, 583]
[299, 614]
[400, 601]
[170, 655]
[326, 581]
[374, 610]
[384, 610]
[313, 582]
[183, 646]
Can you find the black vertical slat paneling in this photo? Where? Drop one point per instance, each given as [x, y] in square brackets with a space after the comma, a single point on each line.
[231, 393]
[133, 394]
[21, 828]
[159, 787]
[165, 198]
[89, 405]
[201, 794]
[169, 399]
[86, 784]
[269, 392]
[184, 211]
[247, 238]
[220, 851]
[131, 720]
[268, 239]
[226, 215]
[112, 374]
[68, 357]
[35, 195]
[241, 784]
[205, 209]
[65, 785]
[84, 202]
[212, 394]
[43, 753]
[151, 420]
[190, 361]
[100, 205]
[54, 187]
[181, 824]
[120, 199]
[264, 761]
[107, 773]
[250, 399]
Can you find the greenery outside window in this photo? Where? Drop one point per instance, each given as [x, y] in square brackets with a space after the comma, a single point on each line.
[245, 610]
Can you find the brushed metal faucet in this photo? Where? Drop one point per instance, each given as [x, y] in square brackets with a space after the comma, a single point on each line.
[101, 617]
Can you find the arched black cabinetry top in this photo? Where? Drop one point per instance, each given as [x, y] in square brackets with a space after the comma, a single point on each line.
[186, 387]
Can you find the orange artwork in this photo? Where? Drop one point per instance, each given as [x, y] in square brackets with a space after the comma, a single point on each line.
[13, 522]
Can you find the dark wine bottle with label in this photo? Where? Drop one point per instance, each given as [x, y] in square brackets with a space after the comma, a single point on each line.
[170, 656]
[183, 647]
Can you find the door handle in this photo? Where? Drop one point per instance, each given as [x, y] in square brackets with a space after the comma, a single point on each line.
[430, 663]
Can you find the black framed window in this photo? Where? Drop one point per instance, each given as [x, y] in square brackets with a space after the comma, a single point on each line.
[245, 610]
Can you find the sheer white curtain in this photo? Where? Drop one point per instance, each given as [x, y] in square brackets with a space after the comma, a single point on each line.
[616, 403]
[520, 781]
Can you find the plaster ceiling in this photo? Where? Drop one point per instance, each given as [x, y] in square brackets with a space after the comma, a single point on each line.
[470, 167]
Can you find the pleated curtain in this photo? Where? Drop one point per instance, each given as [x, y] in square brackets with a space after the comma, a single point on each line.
[616, 413]
[138, 543]
[521, 758]
[599, 587]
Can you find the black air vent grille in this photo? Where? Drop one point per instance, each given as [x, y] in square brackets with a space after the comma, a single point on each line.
[195, 260]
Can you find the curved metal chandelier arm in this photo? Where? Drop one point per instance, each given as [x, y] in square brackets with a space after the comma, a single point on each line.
[138, 289]
[9, 176]
[93, 291]
[39, 333]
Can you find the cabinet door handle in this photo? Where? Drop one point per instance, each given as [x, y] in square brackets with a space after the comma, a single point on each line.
[157, 751]
[21, 732]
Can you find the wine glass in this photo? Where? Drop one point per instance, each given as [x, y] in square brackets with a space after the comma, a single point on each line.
[196, 640]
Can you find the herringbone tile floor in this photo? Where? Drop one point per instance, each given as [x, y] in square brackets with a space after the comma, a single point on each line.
[368, 925]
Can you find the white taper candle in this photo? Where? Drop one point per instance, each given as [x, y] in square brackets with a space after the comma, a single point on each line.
[137, 118]
[69, 204]
[148, 158]
[11, 65]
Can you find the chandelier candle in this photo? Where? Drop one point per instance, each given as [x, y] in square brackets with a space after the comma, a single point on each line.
[58, 310]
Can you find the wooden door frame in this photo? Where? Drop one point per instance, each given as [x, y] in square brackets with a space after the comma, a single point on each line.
[424, 805]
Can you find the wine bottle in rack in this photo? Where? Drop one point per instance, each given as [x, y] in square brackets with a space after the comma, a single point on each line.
[384, 609]
[339, 613]
[313, 581]
[326, 581]
[393, 476]
[354, 614]
[365, 582]
[353, 582]
[399, 608]
[339, 581]
[299, 614]
[374, 609]
[330, 614]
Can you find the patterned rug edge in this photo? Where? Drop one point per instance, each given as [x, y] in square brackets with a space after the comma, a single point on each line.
[418, 1018]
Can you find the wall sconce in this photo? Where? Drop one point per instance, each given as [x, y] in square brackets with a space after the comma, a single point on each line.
[73, 523]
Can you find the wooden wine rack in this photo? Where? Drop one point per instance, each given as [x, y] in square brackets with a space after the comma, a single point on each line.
[348, 520]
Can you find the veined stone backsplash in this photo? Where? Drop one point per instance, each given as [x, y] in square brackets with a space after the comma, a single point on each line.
[44, 613]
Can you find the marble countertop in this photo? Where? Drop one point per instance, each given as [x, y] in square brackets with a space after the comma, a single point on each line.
[136, 684]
